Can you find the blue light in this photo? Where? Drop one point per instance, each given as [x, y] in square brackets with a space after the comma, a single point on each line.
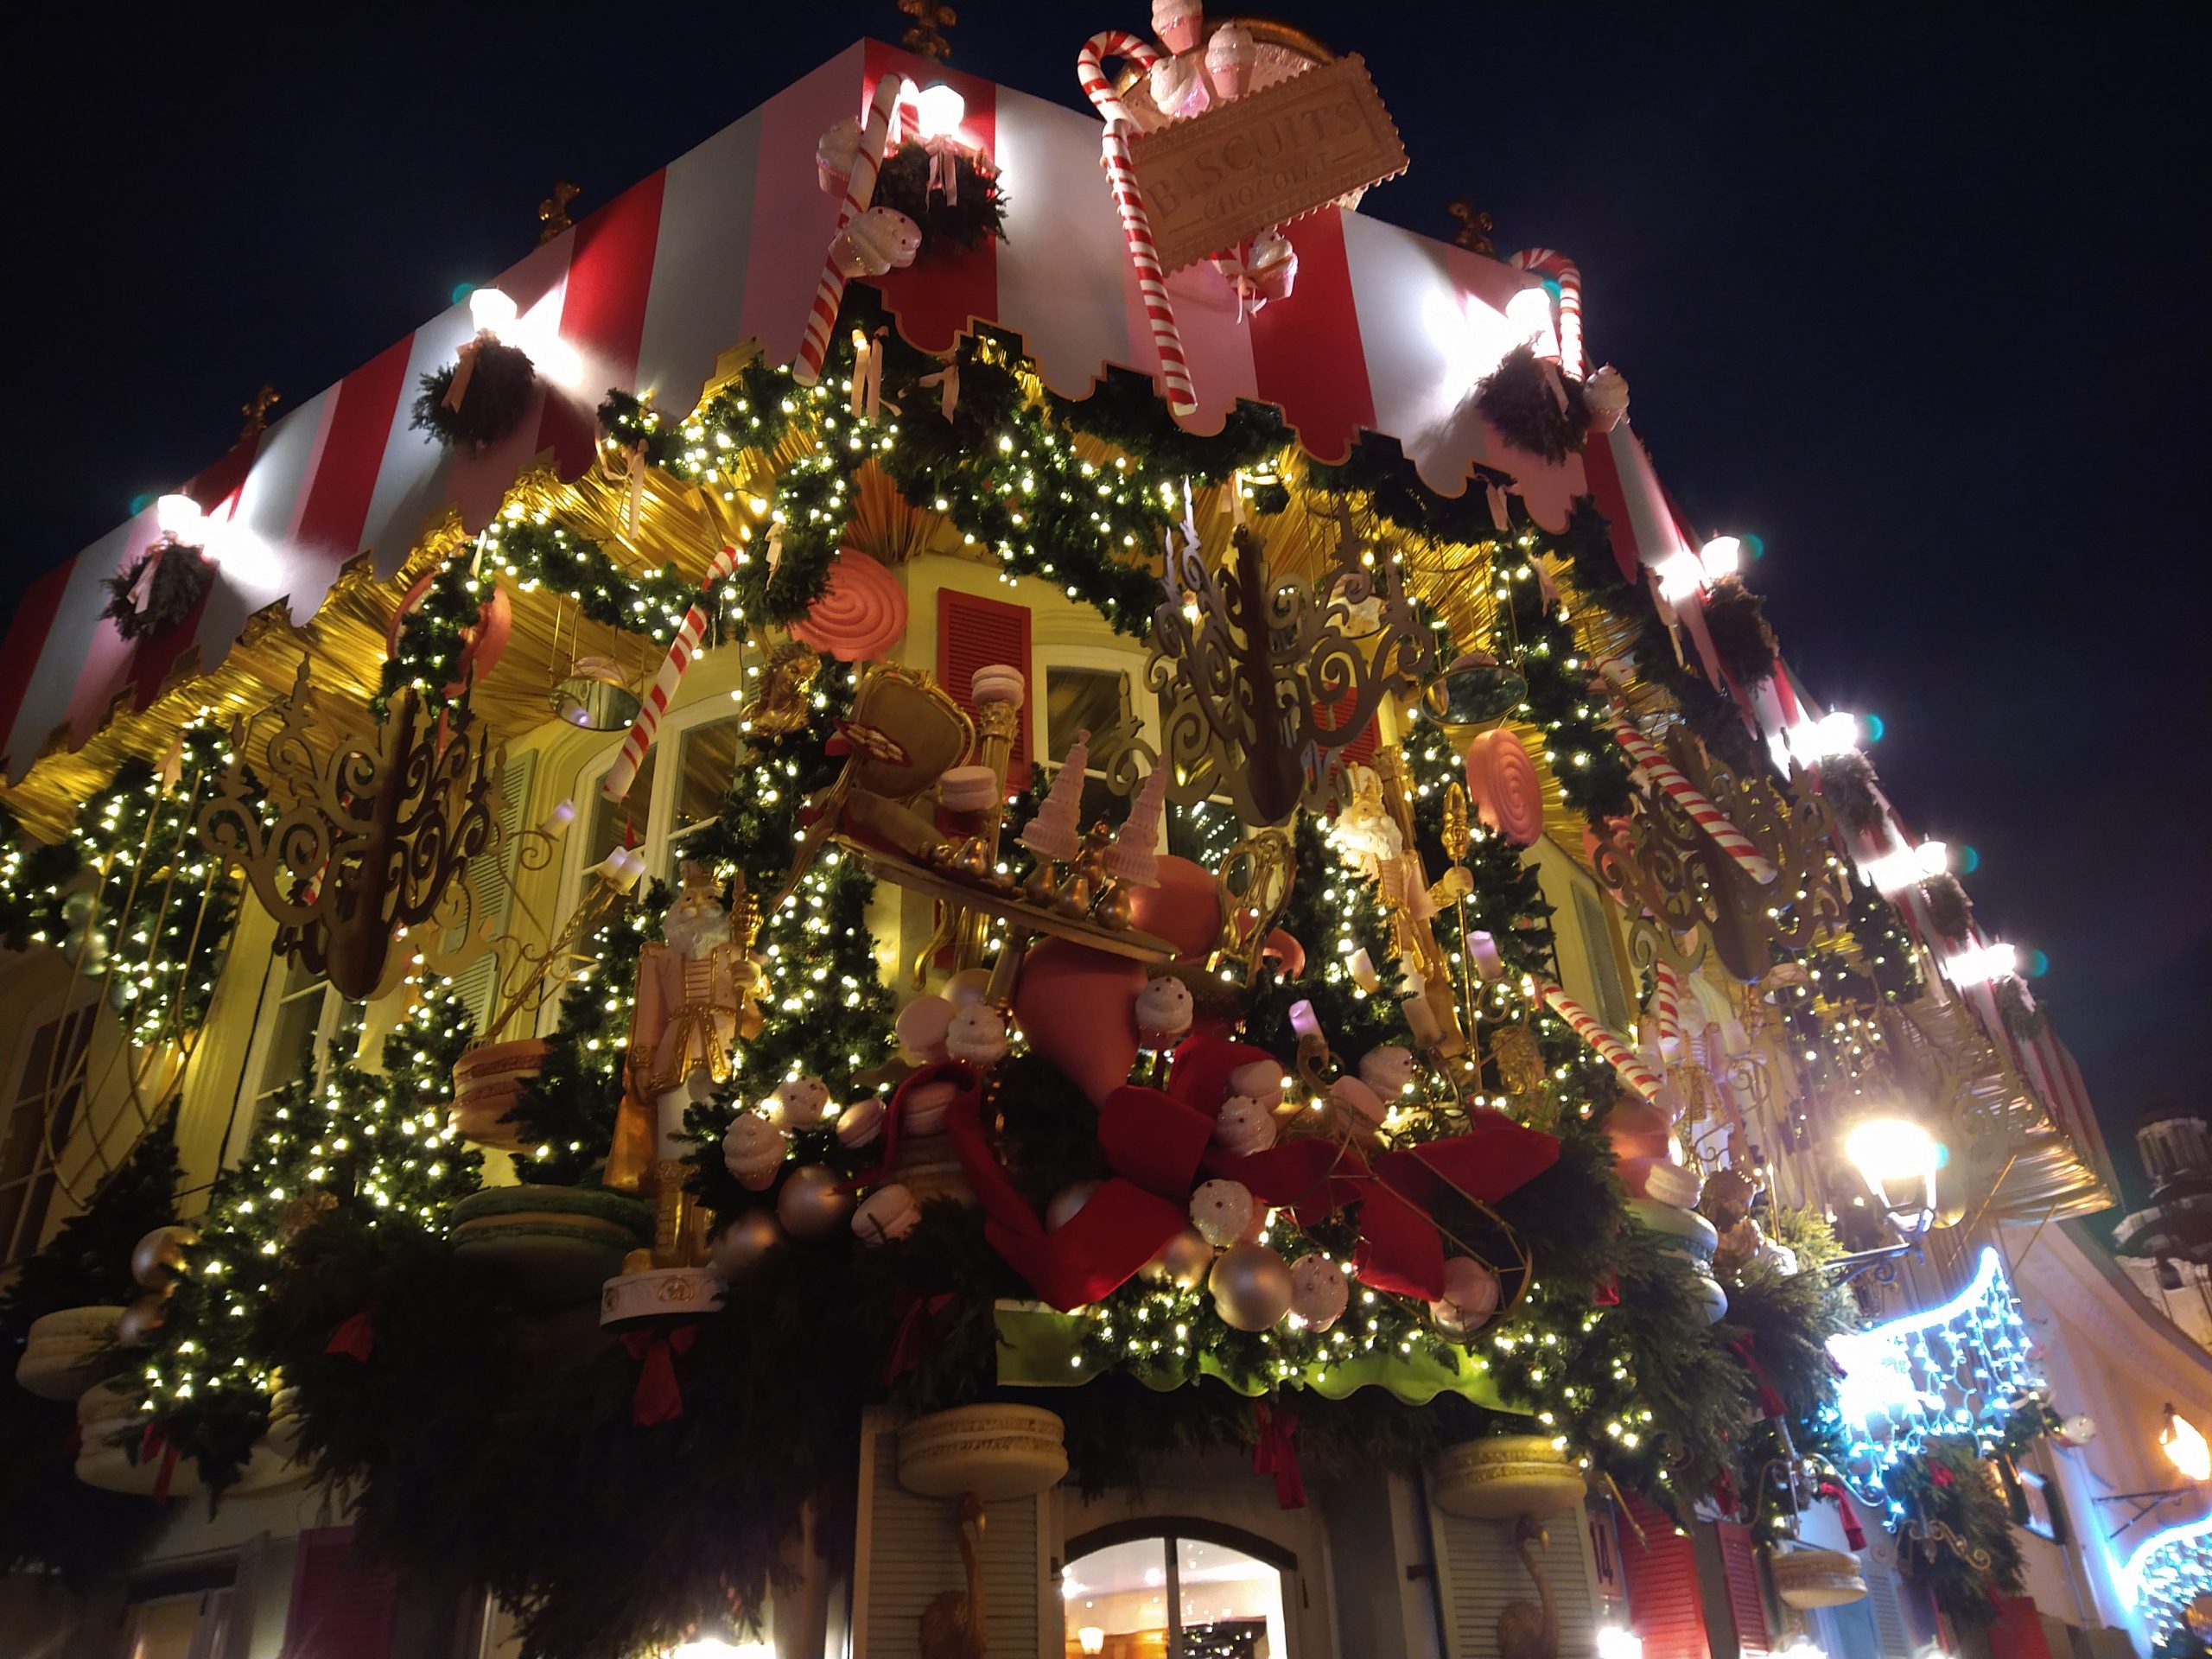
[2038, 964]
[2167, 1569]
[462, 291]
[1969, 860]
[1875, 726]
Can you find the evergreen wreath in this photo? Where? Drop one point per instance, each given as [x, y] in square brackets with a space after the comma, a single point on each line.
[182, 576]
[1956, 1542]
[973, 211]
[1741, 639]
[1948, 908]
[496, 399]
[1534, 406]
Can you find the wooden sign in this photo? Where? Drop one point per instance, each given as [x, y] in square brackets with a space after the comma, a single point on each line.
[1273, 155]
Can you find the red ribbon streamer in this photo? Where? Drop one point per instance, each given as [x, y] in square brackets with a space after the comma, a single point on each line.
[152, 1440]
[659, 1396]
[918, 1313]
[356, 1338]
[1275, 1452]
[1744, 1346]
[1156, 1143]
[1854, 1534]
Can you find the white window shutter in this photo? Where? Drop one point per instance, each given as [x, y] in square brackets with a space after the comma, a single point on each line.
[1478, 1573]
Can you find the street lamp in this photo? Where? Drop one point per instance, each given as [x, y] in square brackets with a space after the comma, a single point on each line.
[2184, 1446]
[1897, 1158]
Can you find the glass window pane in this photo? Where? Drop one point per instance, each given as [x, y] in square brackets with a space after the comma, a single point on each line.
[1116, 1601]
[1081, 699]
[710, 761]
[1230, 1604]
[291, 1040]
[610, 819]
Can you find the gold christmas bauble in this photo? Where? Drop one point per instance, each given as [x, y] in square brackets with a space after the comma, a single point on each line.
[141, 1320]
[811, 1205]
[159, 1256]
[1184, 1261]
[750, 1235]
[1251, 1287]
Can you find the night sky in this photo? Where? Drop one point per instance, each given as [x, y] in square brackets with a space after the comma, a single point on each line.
[1916, 296]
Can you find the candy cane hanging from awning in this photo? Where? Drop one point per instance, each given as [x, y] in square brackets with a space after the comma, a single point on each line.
[1668, 778]
[1666, 1010]
[619, 776]
[1114, 148]
[1616, 1054]
[859, 191]
[1548, 261]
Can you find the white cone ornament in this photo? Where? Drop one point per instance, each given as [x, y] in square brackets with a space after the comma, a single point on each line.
[880, 239]
[1184, 1261]
[1135, 857]
[1066, 1204]
[1180, 24]
[1178, 88]
[1318, 1293]
[1164, 1013]
[802, 1103]
[1270, 269]
[753, 1149]
[745, 1241]
[1056, 831]
[888, 1212]
[1470, 1298]
[812, 1204]
[859, 1123]
[1231, 54]
[977, 1035]
[1605, 395]
[835, 155]
[1244, 1126]
[1251, 1287]
[1223, 1212]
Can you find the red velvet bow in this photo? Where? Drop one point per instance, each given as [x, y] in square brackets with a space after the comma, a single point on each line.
[917, 1312]
[356, 1338]
[1745, 1345]
[1275, 1452]
[1156, 1143]
[154, 1441]
[1942, 1476]
[659, 1397]
[1853, 1534]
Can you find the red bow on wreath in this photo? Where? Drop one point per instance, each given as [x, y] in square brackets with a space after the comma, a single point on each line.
[1275, 1452]
[659, 1396]
[356, 1338]
[1156, 1143]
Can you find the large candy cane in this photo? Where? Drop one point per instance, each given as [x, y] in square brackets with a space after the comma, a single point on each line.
[1135, 227]
[1562, 270]
[1616, 1054]
[1666, 777]
[1667, 1011]
[616, 784]
[859, 190]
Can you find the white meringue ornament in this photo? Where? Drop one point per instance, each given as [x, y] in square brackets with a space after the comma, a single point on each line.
[1223, 1212]
[1318, 1293]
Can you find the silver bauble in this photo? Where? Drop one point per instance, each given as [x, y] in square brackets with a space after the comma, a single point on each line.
[159, 1257]
[77, 909]
[810, 1206]
[1065, 1203]
[141, 1319]
[1251, 1286]
[970, 985]
[1318, 1293]
[1184, 1261]
[750, 1235]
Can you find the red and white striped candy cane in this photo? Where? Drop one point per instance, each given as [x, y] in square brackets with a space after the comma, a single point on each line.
[1668, 778]
[1090, 70]
[616, 784]
[877, 137]
[1550, 263]
[1616, 1054]
[1667, 1011]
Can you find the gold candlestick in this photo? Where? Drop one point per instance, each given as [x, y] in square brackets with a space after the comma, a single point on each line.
[997, 723]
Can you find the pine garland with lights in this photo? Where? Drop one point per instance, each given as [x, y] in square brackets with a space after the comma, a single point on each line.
[1956, 1542]
[1335, 913]
[373, 1147]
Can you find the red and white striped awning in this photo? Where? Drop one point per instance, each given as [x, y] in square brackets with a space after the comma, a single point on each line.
[1386, 330]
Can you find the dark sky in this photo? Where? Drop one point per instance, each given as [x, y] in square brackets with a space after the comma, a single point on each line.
[1916, 296]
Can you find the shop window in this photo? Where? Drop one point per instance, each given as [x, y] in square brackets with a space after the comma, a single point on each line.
[1175, 1590]
[169, 1623]
[306, 1027]
[41, 1111]
[668, 806]
[1613, 1008]
[1097, 701]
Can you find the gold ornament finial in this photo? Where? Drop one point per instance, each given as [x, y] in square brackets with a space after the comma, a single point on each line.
[923, 40]
[1475, 226]
[553, 211]
[256, 411]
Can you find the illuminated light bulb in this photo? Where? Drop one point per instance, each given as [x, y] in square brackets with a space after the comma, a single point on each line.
[1721, 556]
[178, 516]
[1932, 857]
[1894, 1154]
[941, 111]
[1982, 964]
[1680, 577]
[1528, 318]
[491, 311]
[2185, 1447]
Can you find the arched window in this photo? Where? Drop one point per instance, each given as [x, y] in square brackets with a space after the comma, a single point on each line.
[1176, 1588]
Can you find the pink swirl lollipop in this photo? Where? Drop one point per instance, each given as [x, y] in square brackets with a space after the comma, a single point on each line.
[861, 616]
[1507, 792]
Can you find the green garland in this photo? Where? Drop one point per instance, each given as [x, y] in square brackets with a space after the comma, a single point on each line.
[1956, 1542]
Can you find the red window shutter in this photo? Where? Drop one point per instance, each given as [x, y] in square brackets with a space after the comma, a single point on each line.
[1360, 750]
[1739, 1561]
[973, 633]
[341, 1605]
[2017, 1632]
[1661, 1573]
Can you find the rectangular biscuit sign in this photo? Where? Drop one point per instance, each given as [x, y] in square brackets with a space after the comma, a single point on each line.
[1273, 155]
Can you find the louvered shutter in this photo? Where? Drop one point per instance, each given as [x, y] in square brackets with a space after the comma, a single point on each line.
[907, 1554]
[1664, 1610]
[1739, 1564]
[1360, 752]
[1886, 1595]
[491, 888]
[341, 1605]
[973, 633]
[2017, 1631]
[1479, 1574]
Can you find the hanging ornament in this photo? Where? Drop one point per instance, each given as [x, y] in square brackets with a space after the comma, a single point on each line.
[813, 1203]
[1224, 1213]
[1251, 1287]
[749, 1235]
[1470, 1298]
[1184, 1261]
[1319, 1294]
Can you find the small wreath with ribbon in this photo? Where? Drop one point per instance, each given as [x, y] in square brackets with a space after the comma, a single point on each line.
[946, 189]
[1532, 406]
[159, 589]
[479, 397]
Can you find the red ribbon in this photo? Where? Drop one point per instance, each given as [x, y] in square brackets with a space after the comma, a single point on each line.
[152, 1440]
[356, 1338]
[917, 1314]
[1854, 1533]
[1941, 1475]
[1275, 1452]
[659, 1396]
[1745, 1345]
[1156, 1143]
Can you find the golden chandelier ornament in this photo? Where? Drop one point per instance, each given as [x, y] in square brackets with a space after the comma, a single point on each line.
[374, 825]
[1262, 681]
[1682, 892]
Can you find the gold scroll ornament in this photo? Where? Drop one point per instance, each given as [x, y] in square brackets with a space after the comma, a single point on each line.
[1271, 156]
